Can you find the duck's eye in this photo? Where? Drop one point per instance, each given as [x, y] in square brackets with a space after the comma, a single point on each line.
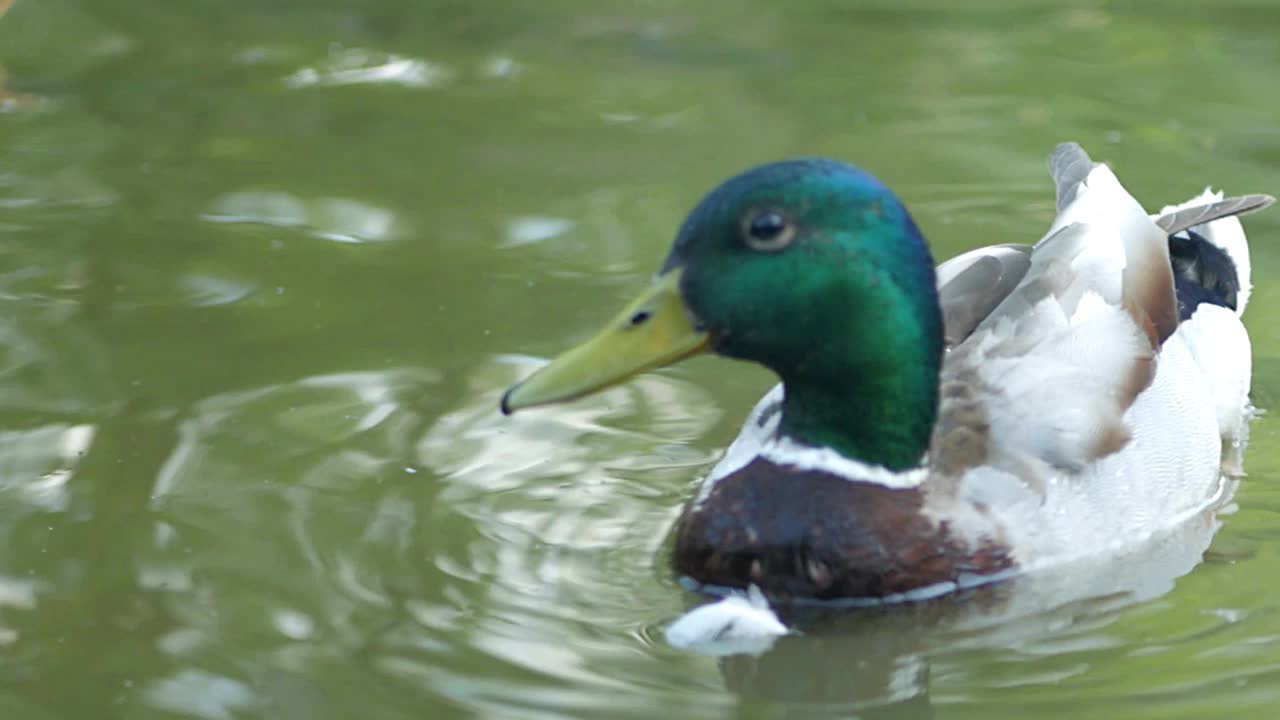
[768, 230]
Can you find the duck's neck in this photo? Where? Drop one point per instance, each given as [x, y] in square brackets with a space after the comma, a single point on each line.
[887, 425]
[875, 401]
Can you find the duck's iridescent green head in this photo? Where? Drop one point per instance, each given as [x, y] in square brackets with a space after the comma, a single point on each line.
[812, 268]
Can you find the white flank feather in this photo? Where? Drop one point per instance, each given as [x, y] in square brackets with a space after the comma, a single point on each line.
[1221, 347]
[737, 624]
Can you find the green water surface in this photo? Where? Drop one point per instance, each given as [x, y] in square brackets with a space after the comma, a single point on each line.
[266, 266]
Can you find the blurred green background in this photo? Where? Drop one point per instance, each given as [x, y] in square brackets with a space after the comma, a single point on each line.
[265, 267]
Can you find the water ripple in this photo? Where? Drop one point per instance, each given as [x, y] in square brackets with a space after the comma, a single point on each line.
[341, 220]
[357, 66]
[364, 530]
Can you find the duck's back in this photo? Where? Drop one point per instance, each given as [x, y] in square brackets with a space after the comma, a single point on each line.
[1081, 411]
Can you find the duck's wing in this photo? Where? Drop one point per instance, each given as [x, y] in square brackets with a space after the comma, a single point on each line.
[1042, 383]
[974, 283]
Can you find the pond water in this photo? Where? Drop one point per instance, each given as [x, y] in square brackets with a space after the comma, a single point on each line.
[265, 268]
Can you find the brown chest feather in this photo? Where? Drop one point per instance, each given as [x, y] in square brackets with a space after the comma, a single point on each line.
[814, 534]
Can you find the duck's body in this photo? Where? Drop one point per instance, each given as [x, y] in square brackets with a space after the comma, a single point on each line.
[1029, 406]
[926, 531]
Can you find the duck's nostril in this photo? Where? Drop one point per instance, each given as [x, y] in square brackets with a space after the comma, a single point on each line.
[640, 318]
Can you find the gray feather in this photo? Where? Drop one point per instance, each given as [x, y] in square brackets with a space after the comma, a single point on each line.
[971, 285]
[1069, 165]
[1179, 220]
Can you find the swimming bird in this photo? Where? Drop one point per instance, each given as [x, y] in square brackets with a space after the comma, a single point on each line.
[938, 428]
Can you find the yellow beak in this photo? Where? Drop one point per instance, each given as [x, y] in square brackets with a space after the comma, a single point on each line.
[651, 331]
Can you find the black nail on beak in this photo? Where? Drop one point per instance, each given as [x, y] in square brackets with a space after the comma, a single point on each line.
[503, 404]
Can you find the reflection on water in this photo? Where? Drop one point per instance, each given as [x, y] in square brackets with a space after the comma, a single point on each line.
[457, 551]
[908, 654]
[200, 694]
[337, 219]
[529, 554]
[9, 101]
[317, 603]
[50, 363]
[355, 66]
[259, 263]
[526, 230]
[35, 465]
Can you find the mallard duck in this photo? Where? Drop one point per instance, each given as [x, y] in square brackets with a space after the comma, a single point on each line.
[1016, 407]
